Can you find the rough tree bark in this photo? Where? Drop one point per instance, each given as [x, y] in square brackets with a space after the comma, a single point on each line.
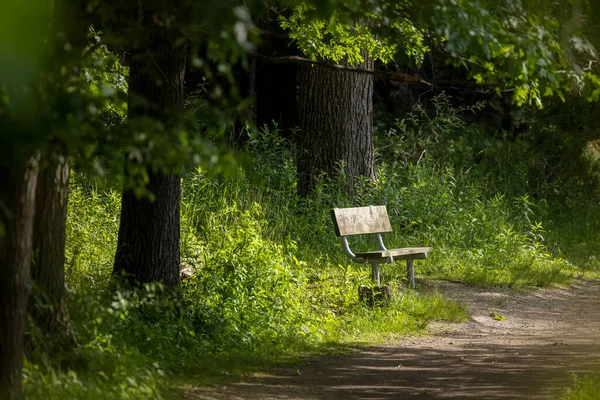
[17, 198]
[48, 303]
[149, 232]
[335, 110]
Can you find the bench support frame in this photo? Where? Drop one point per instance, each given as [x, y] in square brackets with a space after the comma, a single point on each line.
[410, 269]
[374, 220]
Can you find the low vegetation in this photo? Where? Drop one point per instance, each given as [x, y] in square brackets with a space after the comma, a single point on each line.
[586, 388]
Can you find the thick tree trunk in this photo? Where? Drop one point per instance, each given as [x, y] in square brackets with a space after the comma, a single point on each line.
[17, 198]
[48, 306]
[148, 243]
[335, 111]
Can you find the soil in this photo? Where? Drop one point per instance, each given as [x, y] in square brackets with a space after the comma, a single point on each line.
[546, 336]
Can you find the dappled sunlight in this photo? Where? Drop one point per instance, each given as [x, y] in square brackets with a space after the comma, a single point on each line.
[532, 357]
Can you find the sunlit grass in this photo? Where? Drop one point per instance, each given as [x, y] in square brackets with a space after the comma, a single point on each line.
[408, 313]
[585, 388]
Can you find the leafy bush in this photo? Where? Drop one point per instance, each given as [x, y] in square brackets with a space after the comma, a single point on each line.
[109, 367]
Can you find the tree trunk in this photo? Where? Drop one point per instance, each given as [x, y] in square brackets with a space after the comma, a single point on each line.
[48, 306]
[148, 243]
[335, 110]
[17, 198]
[276, 82]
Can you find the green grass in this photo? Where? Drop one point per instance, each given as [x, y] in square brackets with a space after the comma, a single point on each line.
[586, 388]
[409, 313]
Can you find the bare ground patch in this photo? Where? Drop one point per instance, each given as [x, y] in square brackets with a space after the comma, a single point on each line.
[545, 336]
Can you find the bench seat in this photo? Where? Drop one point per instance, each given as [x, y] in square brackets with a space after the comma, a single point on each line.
[383, 256]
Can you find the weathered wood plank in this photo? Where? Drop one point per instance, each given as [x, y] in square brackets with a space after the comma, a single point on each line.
[394, 252]
[360, 220]
[386, 260]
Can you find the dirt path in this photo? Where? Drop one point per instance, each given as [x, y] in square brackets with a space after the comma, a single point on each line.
[546, 336]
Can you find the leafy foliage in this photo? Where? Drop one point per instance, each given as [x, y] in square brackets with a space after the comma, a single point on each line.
[508, 43]
[339, 41]
[535, 48]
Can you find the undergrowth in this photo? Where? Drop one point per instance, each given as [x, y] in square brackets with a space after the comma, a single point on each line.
[267, 279]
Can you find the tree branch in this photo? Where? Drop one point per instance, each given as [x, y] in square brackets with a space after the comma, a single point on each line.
[396, 77]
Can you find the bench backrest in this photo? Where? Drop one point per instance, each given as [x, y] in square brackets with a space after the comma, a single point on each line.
[360, 220]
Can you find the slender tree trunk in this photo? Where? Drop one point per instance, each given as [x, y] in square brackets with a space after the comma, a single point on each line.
[17, 198]
[48, 301]
[276, 82]
[245, 80]
[335, 110]
[276, 93]
[276, 96]
[148, 243]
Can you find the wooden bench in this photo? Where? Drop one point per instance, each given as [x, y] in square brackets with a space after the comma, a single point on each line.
[374, 220]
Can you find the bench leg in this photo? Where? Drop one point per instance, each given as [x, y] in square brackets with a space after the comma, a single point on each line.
[375, 273]
[410, 273]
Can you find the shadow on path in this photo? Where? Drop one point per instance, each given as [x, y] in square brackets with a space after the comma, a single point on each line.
[547, 336]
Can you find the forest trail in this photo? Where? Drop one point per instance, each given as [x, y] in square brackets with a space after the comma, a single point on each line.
[546, 336]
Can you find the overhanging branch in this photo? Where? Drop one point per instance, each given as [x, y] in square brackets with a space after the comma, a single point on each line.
[395, 76]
